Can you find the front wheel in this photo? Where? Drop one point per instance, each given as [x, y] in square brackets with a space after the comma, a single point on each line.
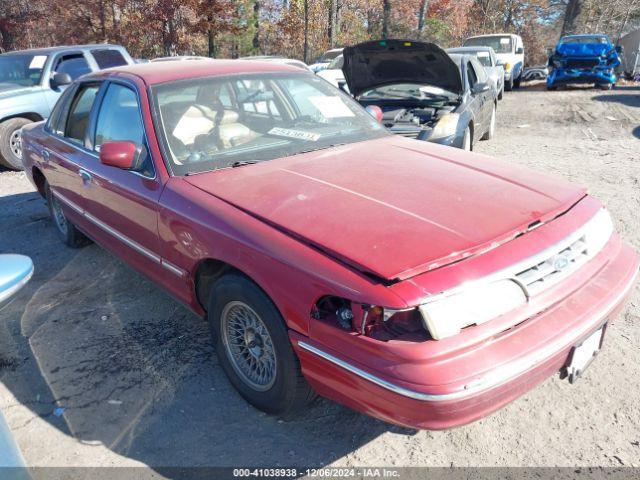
[253, 347]
[491, 131]
[517, 81]
[11, 142]
[508, 86]
[467, 139]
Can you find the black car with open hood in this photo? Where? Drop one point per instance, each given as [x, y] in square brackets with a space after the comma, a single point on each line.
[386, 62]
[418, 90]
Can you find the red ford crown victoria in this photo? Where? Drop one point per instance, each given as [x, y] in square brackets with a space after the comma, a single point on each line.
[417, 283]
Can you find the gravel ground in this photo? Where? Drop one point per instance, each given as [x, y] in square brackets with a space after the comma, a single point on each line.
[101, 368]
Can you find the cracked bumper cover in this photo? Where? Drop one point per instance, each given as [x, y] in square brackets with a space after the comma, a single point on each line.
[520, 358]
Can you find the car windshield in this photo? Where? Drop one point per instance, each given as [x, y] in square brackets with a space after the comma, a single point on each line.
[221, 122]
[589, 39]
[22, 70]
[408, 91]
[328, 56]
[499, 43]
[336, 64]
[484, 58]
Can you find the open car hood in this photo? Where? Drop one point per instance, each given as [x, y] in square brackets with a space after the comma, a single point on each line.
[386, 62]
[393, 207]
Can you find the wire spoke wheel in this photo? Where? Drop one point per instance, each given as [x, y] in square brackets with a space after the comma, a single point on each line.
[248, 346]
[58, 215]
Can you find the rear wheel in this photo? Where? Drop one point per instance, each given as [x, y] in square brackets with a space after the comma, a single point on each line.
[604, 86]
[253, 347]
[11, 142]
[67, 231]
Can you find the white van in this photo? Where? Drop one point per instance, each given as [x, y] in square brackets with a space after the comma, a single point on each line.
[510, 52]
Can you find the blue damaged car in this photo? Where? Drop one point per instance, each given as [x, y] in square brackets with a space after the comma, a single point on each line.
[32, 80]
[583, 59]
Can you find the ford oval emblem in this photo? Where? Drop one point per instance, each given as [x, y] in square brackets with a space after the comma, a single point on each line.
[560, 262]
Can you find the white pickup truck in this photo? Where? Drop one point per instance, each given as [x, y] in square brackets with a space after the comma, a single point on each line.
[510, 52]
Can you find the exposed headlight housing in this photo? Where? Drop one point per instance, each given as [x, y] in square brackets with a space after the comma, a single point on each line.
[446, 126]
[507, 67]
[473, 305]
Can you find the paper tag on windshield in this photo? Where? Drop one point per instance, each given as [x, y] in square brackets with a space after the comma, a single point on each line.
[505, 41]
[331, 107]
[483, 54]
[37, 62]
[299, 134]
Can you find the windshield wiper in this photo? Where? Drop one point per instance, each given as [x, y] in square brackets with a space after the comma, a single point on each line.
[241, 163]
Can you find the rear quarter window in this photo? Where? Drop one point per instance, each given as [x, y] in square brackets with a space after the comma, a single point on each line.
[108, 58]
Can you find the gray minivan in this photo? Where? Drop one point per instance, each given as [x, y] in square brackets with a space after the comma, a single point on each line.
[32, 80]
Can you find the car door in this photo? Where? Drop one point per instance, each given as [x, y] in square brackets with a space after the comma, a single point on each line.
[65, 152]
[74, 63]
[483, 104]
[123, 204]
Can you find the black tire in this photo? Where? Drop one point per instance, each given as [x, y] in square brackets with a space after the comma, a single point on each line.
[491, 131]
[517, 81]
[289, 392]
[501, 93]
[467, 139]
[552, 88]
[508, 86]
[10, 145]
[604, 86]
[67, 231]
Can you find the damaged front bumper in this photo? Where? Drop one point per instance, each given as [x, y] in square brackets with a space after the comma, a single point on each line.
[411, 387]
[569, 70]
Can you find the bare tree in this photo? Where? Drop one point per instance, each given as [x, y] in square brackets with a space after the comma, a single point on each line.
[386, 17]
[306, 31]
[256, 25]
[422, 15]
[571, 16]
[333, 23]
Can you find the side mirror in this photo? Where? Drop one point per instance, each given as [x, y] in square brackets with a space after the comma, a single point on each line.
[15, 272]
[550, 51]
[519, 51]
[61, 80]
[619, 49]
[480, 88]
[375, 111]
[499, 63]
[124, 155]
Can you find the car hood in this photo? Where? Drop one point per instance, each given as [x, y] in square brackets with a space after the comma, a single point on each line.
[583, 49]
[393, 207]
[386, 62]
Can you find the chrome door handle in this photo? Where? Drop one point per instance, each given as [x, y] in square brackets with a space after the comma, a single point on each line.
[45, 155]
[86, 176]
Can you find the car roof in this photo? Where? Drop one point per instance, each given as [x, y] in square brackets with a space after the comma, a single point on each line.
[582, 35]
[494, 35]
[50, 50]
[469, 49]
[153, 73]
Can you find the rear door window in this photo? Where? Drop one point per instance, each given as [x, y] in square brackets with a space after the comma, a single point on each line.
[472, 78]
[79, 113]
[74, 64]
[58, 117]
[107, 58]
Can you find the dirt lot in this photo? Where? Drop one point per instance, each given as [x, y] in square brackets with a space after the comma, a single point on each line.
[101, 368]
